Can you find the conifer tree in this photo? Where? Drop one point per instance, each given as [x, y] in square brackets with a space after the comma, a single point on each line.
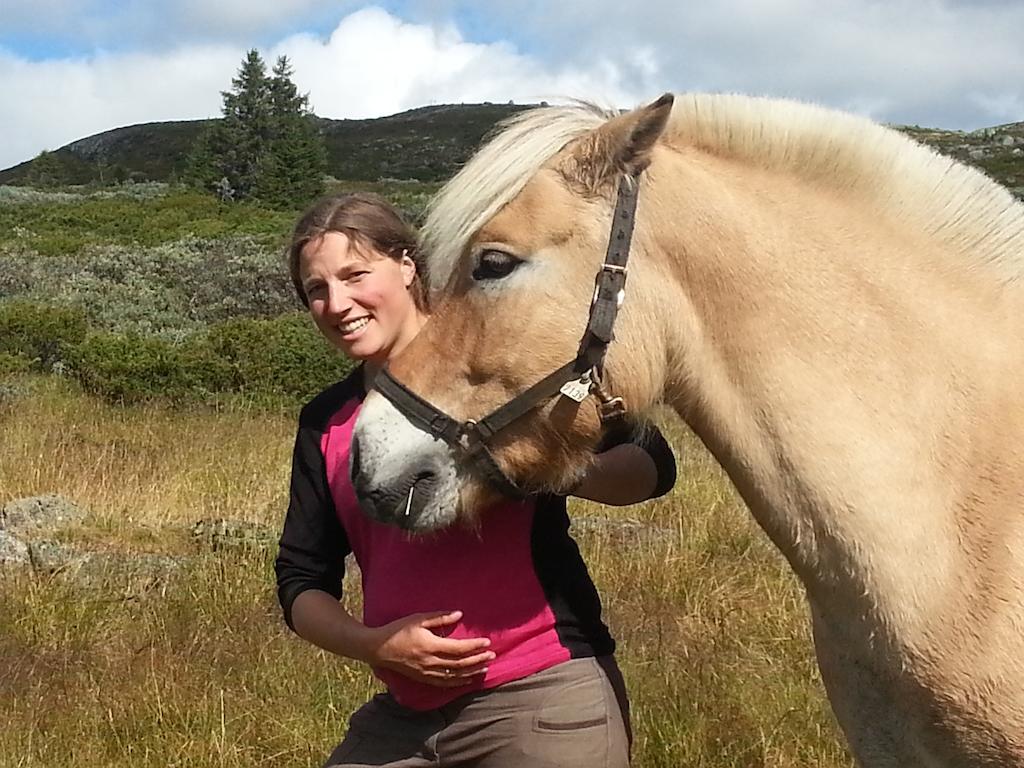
[293, 168]
[267, 144]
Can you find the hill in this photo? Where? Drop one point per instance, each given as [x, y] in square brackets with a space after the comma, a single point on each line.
[424, 144]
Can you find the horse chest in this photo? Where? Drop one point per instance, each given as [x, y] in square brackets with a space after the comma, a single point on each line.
[898, 711]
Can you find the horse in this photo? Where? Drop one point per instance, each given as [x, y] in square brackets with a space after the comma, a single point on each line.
[836, 312]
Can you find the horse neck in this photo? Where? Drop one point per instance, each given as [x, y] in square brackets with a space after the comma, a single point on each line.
[833, 376]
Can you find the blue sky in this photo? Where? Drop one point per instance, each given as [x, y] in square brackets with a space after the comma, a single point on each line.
[71, 68]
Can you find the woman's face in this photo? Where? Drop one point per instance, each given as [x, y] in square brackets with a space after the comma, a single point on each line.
[359, 298]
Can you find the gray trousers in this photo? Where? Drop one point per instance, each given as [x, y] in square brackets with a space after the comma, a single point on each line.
[573, 715]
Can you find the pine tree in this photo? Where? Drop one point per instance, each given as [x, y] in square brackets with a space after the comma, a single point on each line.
[266, 145]
[293, 168]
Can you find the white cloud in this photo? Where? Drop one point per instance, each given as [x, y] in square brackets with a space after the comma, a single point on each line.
[934, 62]
[48, 104]
[373, 64]
[944, 63]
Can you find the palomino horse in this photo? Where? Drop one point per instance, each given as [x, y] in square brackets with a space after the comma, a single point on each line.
[838, 314]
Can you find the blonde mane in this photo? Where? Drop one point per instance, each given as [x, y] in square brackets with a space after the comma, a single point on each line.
[952, 202]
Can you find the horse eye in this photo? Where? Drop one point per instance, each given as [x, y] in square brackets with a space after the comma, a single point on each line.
[494, 265]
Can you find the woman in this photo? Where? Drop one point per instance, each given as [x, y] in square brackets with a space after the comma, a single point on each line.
[490, 641]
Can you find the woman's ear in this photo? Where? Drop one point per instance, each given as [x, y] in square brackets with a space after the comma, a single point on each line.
[408, 267]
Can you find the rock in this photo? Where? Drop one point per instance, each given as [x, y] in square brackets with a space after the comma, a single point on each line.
[12, 551]
[50, 557]
[977, 154]
[620, 529]
[39, 511]
[222, 533]
[10, 394]
[1007, 141]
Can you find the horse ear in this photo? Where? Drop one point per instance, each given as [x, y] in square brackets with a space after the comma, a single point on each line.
[621, 145]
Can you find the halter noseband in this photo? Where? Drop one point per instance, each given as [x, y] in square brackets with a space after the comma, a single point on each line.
[576, 380]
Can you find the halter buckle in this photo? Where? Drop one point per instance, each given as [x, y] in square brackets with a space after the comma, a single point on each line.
[608, 408]
[468, 435]
[612, 409]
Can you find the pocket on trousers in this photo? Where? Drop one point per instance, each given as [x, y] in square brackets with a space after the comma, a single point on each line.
[576, 706]
[569, 725]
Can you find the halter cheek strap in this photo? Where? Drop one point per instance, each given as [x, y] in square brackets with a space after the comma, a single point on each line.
[576, 380]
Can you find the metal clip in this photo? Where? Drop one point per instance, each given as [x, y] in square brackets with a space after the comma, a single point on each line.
[609, 408]
[468, 435]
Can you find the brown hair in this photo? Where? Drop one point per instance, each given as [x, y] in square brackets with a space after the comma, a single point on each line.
[370, 222]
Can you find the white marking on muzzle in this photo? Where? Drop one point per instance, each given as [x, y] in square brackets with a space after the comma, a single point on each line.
[391, 449]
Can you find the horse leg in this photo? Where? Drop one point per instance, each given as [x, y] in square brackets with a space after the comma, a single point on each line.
[879, 730]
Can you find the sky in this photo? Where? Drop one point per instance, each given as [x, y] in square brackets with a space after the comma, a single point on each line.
[72, 68]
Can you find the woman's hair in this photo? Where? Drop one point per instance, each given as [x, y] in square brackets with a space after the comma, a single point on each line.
[369, 222]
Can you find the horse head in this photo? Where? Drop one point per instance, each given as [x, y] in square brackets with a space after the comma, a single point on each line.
[513, 292]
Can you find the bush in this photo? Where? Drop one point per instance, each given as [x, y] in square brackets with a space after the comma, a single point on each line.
[168, 290]
[132, 368]
[38, 333]
[10, 364]
[282, 358]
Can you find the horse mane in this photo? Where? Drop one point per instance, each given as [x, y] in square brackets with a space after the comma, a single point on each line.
[494, 176]
[906, 181]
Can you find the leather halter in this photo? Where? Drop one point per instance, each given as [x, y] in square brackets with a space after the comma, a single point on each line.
[576, 379]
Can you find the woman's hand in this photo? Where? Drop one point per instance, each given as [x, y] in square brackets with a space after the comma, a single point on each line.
[412, 647]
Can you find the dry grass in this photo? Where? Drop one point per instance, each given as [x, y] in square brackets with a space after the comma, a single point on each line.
[195, 669]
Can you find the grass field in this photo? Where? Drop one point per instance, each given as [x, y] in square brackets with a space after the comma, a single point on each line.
[195, 668]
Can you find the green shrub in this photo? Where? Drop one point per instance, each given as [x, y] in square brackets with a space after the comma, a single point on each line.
[282, 356]
[168, 290]
[10, 364]
[132, 368]
[38, 333]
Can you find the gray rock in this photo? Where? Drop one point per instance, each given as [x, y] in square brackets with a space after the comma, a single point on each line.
[620, 529]
[10, 394]
[39, 511]
[1007, 141]
[12, 551]
[977, 154]
[222, 533]
[84, 567]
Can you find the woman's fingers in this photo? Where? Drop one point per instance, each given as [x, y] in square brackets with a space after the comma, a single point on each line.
[452, 674]
[438, 620]
[463, 663]
[451, 648]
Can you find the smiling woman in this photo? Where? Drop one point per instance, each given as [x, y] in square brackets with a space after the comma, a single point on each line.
[351, 261]
[489, 637]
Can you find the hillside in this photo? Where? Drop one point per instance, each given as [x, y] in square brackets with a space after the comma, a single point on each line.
[424, 144]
